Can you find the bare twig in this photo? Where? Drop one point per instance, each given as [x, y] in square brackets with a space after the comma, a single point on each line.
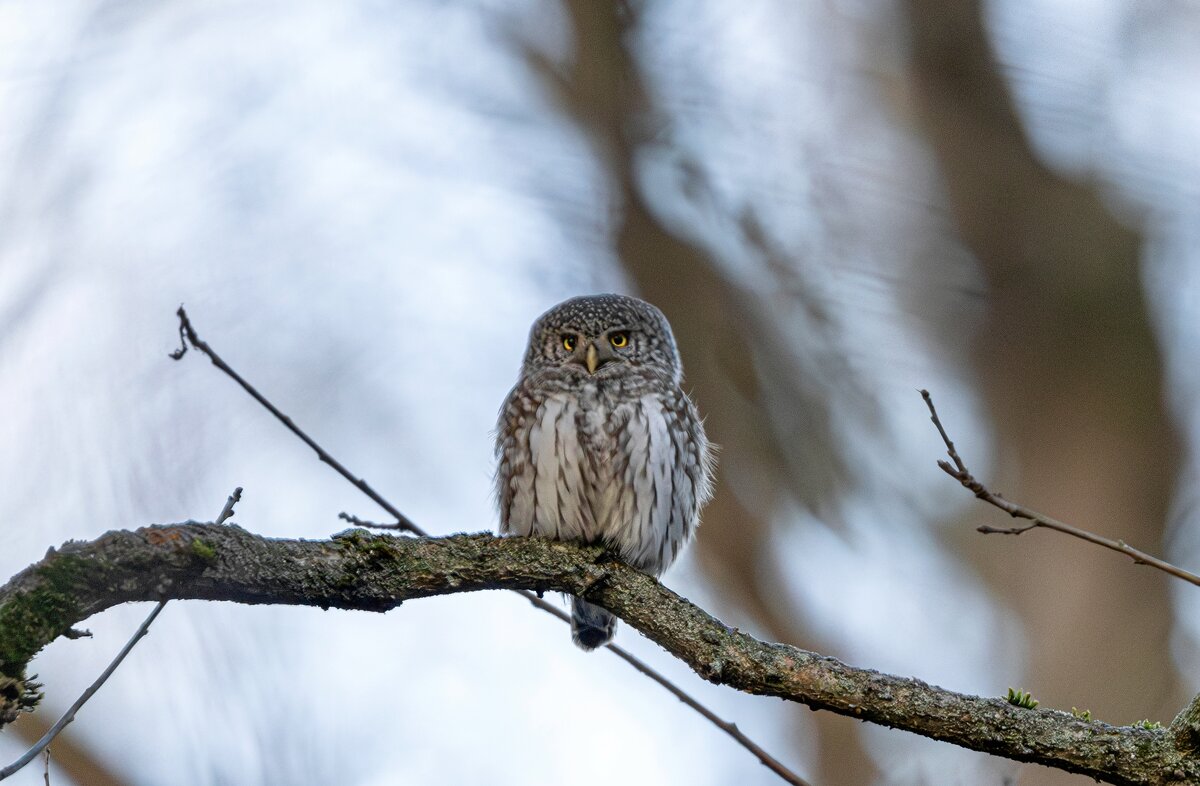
[768, 761]
[188, 335]
[364, 523]
[46, 771]
[958, 470]
[227, 511]
[69, 716]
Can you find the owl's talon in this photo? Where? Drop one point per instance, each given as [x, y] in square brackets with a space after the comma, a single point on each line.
[608, 555]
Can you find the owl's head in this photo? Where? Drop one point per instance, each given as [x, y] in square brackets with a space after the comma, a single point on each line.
[602, 336]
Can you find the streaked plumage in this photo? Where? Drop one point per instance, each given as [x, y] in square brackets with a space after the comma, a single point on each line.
[597, 441]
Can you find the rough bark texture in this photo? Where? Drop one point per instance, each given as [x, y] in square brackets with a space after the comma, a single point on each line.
[361, 570]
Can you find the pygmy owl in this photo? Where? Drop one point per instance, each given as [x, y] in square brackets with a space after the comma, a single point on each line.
[597, 442]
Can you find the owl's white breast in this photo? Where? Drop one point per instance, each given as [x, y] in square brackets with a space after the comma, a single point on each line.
[601, 468]
[648, 519]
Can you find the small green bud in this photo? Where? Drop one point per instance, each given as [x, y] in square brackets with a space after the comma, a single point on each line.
[1020, 698]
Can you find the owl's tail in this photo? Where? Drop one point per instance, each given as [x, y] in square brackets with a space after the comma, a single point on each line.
[591, 626]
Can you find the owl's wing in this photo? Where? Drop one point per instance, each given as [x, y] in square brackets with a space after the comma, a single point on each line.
[512, 452]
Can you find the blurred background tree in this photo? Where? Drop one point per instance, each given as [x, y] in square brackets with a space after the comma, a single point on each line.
[834, 203]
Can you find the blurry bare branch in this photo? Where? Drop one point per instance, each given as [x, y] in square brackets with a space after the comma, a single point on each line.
[738, 358]
[362, 571]
[958, 470]
[187, 334]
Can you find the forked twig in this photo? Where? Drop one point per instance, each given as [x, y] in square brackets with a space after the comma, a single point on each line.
[187, 335]
[958, 470]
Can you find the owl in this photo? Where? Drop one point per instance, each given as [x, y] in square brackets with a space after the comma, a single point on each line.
[598, 443]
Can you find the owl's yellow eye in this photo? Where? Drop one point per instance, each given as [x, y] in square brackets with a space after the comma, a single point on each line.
[568, 343]
[619, 340]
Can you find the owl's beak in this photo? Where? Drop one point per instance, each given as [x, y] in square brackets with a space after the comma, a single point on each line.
[596, 357]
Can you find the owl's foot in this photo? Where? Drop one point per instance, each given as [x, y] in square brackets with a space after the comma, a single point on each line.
[609, 554]
[591, 626]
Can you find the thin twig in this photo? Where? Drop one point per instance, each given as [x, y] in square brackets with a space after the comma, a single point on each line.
[187, 335]
[49, 736]
[356, 521]
[46, 771]
[227, 511]
[69, 716]
[768, 761]
[959, 472]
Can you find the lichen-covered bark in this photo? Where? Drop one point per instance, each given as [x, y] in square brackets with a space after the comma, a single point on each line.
[361, 570]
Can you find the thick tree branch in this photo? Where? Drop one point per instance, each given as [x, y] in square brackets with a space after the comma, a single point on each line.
[359, 570]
